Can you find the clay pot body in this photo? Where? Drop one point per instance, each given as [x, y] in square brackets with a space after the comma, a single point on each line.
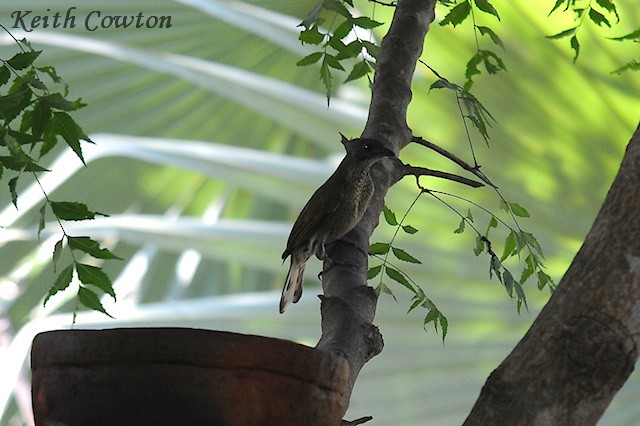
[182, 376]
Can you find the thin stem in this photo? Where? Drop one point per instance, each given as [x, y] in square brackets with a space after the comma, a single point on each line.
[475, 28]
[395, 234]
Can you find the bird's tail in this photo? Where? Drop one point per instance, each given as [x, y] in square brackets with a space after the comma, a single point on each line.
[293, 284]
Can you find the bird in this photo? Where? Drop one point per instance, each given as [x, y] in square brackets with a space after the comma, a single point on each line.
[332, 211]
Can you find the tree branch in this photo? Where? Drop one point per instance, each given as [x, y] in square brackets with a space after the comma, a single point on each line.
[584, 344]
[460, 162]
[410, 170]
[348, 305]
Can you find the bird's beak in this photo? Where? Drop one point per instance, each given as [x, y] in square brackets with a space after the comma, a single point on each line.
[385, 152]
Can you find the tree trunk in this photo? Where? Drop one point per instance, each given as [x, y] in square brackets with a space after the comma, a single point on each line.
[583, 346]
[348, 305]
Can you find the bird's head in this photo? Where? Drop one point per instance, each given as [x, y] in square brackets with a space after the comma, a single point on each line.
[370, 150]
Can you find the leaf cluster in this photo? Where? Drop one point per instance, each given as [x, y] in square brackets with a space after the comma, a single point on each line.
[492, 62]
[338, 47]
[92, 278]
[471, 109]
[518, 243]
[386, 268]
[35, 114]
[601, 13]
[33, 118]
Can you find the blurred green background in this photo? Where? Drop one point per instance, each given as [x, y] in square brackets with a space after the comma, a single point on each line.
[210, 140]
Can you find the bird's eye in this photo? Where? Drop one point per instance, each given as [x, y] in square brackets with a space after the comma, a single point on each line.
[366, 146]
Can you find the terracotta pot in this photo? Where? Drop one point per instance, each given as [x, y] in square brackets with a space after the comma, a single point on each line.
[182, 376]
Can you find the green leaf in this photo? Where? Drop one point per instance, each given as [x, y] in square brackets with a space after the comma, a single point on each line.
[310, 59]
[23, 59]
[457, 14]
[66, 127]
[382, 288]
[531, 240]
[92, 275]
[494, 37]
[312, 16]
[443, 84]
[351, 50]
[311, 36]
[12, 189]
[65, 210]
[521, 296]
[51, 72]
[461, 226]
[5, 74]
[562, 34]
[373, 272]
[40, 116]
[558, 3]
[431, 316]
[41, 221]
[343, 29]
[518, 210]
[365, 22]
[57, 251]
[472, 65]
[336, 43]
[398, 277]
[508, 282]
[609, 7]
[12, 104]
[509, 246]
[372, 48]
[486, 7]
[90, 299]
[444, 325]
[56, 101]
[417, 302]
[543, 280]
[49, 138]
[633, 65]
[635, 35]
[403, 255]
[62, 282]
[333, 62]
[409, 229]
[492, 62]
[598, 18]
[360, 69]
[389, 216]
[493, 223]
[480, 246]
[526, 273]
[379, 248]
[91, 247]
[575, 45]
[337, 6]
[325, 76]
[33, 81]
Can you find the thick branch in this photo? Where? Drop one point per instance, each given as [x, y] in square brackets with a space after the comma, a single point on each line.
[584, 344]
[348, 305]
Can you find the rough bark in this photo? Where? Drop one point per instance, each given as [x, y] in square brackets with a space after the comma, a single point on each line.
[348, 305]
[583, 346]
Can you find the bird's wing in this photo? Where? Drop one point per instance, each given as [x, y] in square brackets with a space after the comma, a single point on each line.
[318, 210]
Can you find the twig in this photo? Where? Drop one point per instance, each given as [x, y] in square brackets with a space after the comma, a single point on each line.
[460, 162]
[423, 171]
[391, 4]
[356, 422]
